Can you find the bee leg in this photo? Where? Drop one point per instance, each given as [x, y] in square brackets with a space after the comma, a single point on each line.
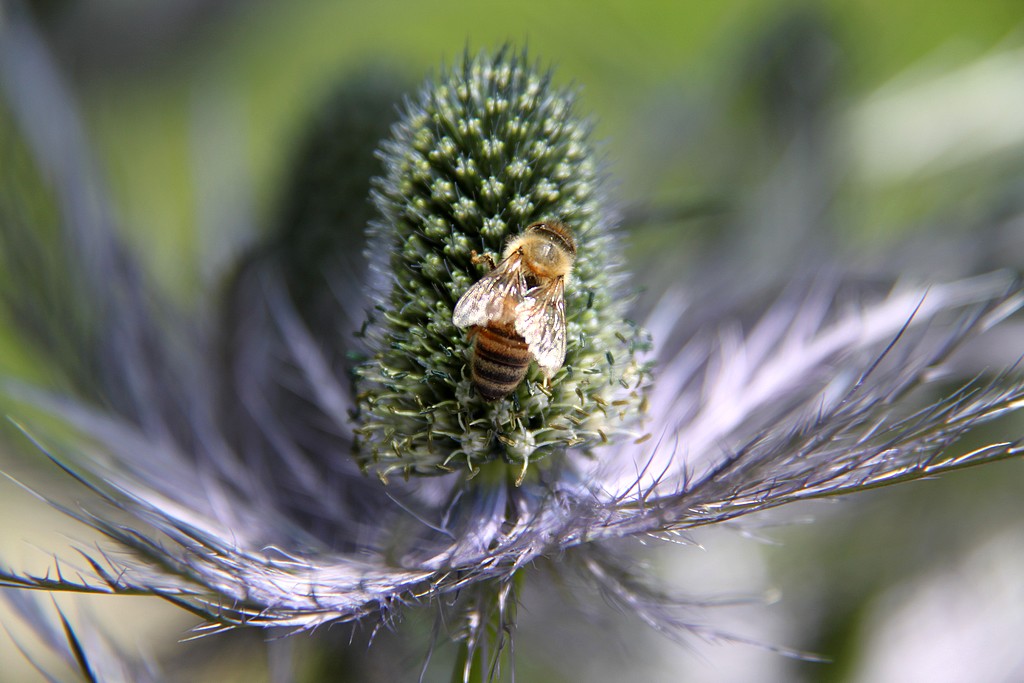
[485, 258]
[522, 473]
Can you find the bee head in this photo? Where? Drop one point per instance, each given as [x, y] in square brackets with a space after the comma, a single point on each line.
[548, 249]
[557, 233]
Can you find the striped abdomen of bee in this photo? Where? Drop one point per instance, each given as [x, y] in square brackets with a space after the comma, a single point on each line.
[501, 358]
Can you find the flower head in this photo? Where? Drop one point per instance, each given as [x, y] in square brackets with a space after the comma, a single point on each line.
[490, 149]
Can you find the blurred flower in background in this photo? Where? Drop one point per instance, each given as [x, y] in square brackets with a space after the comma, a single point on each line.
[825, 263]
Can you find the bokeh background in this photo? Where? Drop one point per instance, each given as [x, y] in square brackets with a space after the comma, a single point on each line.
[887, 135]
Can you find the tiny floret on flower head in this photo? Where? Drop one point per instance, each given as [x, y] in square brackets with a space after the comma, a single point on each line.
[478, 159]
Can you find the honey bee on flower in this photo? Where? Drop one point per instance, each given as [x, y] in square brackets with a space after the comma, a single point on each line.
[517, 311]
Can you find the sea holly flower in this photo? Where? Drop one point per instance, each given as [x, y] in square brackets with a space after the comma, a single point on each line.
[278, 460]
[491, 149]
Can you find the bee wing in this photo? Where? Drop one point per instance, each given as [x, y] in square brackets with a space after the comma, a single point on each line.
[486, 300]
[540, 319]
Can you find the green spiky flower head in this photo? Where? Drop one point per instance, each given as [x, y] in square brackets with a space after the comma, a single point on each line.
[489, 149]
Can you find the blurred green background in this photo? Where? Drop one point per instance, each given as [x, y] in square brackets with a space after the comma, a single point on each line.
[194, 109]
[216, 92]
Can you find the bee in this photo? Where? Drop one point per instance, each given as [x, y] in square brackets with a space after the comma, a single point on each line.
[516, 312]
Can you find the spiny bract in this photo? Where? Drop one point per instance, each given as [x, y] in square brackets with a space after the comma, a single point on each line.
[488, 150]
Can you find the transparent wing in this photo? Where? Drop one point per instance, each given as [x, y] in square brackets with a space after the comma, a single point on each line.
[540, 319]
[493, 297]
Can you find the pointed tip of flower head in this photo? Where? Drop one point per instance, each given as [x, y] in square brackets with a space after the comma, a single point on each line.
[489, 149]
